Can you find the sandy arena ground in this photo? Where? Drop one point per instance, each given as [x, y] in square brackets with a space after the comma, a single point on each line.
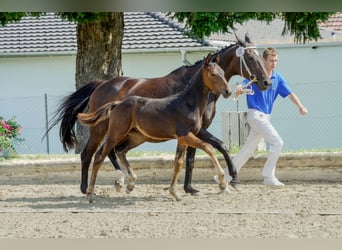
[55, 208]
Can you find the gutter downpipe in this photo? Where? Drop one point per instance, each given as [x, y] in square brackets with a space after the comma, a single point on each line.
[185, 61]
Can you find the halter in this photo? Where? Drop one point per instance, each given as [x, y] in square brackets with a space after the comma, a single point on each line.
[240, 52]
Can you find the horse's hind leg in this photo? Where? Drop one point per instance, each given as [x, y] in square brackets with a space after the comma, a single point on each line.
[118, 184]
[190, 160]
[178, 162]
[132, 177]
[192, 141]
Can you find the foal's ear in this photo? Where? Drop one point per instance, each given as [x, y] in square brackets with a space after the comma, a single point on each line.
[208, 59]
[217, 58]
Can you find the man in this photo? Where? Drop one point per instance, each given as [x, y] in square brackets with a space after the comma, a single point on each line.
[258, 116]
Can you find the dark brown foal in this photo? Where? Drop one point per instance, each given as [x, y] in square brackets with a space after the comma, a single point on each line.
[175, 117]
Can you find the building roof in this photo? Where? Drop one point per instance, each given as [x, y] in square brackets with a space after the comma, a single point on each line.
[334, 23]
[50, 33]
[143, 31]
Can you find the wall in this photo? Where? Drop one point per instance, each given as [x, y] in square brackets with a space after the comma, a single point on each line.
[313, 75]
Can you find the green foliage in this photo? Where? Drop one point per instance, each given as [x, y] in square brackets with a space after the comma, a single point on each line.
[303, 25]
[9, 134]
[8, 17]
[82, 17]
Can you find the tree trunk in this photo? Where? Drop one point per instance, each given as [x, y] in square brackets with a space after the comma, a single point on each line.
[98, 56]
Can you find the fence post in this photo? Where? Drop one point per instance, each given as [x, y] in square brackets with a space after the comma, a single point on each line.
[235, 130]
[47, 124]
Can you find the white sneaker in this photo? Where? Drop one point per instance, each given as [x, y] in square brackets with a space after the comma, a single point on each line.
[273, 182]
[227, 177]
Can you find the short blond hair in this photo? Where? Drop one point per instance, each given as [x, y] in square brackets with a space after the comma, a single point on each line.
[270, 52]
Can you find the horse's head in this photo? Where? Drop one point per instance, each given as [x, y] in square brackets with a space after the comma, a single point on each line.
[251, 65]
[214, 77]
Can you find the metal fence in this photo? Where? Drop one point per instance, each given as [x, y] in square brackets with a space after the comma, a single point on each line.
[320, 129]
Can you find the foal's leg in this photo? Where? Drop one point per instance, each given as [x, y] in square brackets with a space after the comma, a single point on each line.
[133, 140]
[193, 141]
[100, 156]
[178, 162]
[220, 146]
[95, 138]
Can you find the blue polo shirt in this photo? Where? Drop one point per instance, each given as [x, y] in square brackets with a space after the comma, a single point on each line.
[263, 100]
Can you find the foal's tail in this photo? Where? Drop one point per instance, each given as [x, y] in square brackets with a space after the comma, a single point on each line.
[67, 111]
[102, 113]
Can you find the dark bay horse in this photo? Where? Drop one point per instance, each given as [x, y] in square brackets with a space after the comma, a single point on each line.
[179, 117]
[97, 93]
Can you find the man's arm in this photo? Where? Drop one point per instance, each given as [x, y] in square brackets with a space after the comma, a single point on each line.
[294, 98]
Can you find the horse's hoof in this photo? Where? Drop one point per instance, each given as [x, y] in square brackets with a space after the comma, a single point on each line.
[84, 189]
[235, 184]
[189, 189]
[91, 198]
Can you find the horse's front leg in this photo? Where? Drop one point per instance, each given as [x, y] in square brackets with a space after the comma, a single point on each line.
[190, 160]
[178, 162]
[193, 141]
[220, 146]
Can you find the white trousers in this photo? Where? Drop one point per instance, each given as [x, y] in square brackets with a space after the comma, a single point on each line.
[260, 127]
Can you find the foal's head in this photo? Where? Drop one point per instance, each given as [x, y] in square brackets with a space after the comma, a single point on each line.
[213, 76]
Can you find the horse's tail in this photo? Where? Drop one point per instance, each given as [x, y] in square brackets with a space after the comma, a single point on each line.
[67, 111]
[102, 113]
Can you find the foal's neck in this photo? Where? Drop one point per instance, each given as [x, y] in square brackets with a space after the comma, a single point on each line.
[197, 93]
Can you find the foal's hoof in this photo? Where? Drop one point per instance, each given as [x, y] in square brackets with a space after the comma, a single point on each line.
[129, 188]
[223, 187]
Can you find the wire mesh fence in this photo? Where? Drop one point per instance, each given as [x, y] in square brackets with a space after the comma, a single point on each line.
[320, 129]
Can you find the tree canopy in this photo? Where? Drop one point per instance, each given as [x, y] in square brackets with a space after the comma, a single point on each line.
[303, 25]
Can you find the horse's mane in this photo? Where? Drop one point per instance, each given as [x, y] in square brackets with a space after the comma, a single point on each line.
[200, 61]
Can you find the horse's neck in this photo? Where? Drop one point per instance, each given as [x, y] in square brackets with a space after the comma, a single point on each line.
[228, 63]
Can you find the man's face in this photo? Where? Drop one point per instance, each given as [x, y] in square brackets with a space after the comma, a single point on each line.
[271, 62]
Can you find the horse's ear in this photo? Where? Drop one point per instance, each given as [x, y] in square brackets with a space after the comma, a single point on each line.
[248, 39]
[208, 59]
[238, 39]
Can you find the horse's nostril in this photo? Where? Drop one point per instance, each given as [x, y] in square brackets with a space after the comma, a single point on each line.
[267, 83]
